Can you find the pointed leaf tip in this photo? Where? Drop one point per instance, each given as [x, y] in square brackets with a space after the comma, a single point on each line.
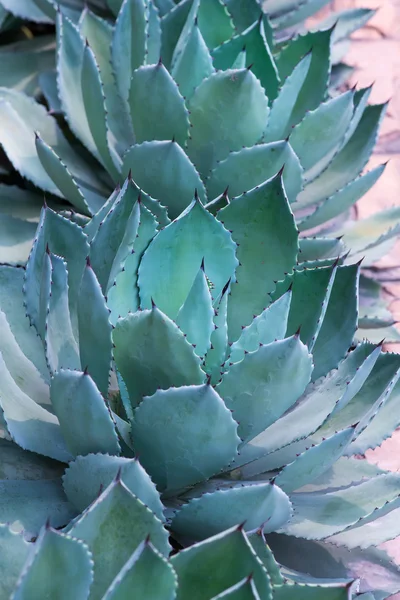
[297, 334]
[153, 304]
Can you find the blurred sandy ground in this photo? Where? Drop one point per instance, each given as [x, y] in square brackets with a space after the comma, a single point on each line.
[375, 52]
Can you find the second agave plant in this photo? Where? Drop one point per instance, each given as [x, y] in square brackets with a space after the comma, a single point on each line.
[169, 358]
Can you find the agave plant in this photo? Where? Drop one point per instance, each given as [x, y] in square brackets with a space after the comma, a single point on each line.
[239, 114]
[244, 400]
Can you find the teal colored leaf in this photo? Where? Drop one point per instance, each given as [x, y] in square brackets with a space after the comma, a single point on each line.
[180, 452]
[229, 110]
[258, 56]
[14, 551]
[173, 258]
[61, 346]
[343, 473]
[216, 355]
[27, 505]
[148, 573]
[299, 13]
[337, 331]
[214, 22]
[172, 25]
[151, 352]
[236, 558]
[95, 107]
[318, 248]
[255, 505]
[157, 108]
[314, 461]
[24, 61]
[114, 6]
[304, 591]
[15, 320]
[320, 515]
[85, 475]
[65, 239]
[153, 34]
[20, 118]
[259, 220]
[113, 527]
[268, 327]
[244, 13]
[343, 200]
[193, 64]
[195, 318]
[261, 548]
[85, 419]
[30, 425]
[99, 34]
[314, 88]
[319, 135]
[279, 370]
[115, 237]
[92, 227]
[347, 21]
[349, 162]
[128, 48]
[69, 562]
[61, 176]
[44, 295]
[123, 295]
[95, 345]
[71, 47]
[48, 86]
[26, 9]
[164, 6]
[17, 464]
[163, 170]
[287, 110]
[337, 389]
[250, 167]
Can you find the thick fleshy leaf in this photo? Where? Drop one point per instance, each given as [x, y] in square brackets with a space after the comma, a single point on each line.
[343, 200]
[172, 26]
[243, 170]
[14, 552]
[85, 419]
[153, 34]
[258, 56]
[148, 573]
[236, 559]
[151, 352]
[214, 22]
[255, 505]
[195, 317]
[65, 239]
[304, 591]
[69, 562]
[115, 235]
[244, 590]
[314, 461]
[318, 248]
[244, 12]
[27, 505]
[95, 345]
[349, 162]
[30, 425]
[261, 548]
[219, 339]
[157, 108]
[26, 9]
[129, 43]
[178, 452]
[61, 176]
[311, 412]
[343, 473]
[163, 170]
[60, 344]
[250, 388]
[26, 340]
[22, 62]
[286, 110]
[85, 475]
[287, 13]
[228, 110]
[337, 331]
[113, 527]
[259, 221]
[98, 32]
[17, 464]
[319, 515]
[173, 259]
[330, 120]
[123, 295]
[193, 64]
[270, 326]
[48, 86]
[95, 107]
